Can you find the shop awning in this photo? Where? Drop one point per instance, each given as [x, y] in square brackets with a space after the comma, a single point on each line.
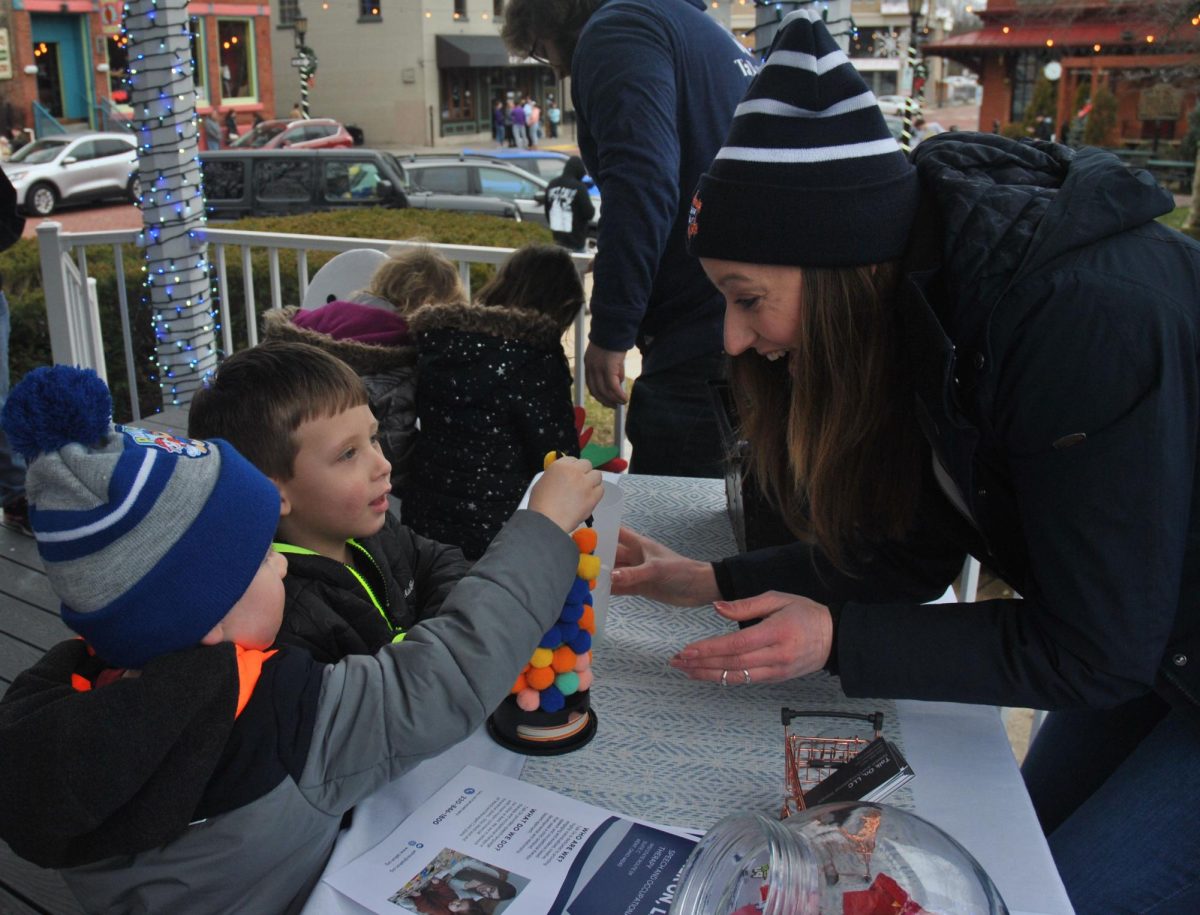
[456, 51]
[1109, 34]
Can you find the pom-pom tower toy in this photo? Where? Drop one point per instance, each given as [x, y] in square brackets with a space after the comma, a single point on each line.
[549, 708]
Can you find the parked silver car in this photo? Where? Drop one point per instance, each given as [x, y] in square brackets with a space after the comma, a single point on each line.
[71, 168]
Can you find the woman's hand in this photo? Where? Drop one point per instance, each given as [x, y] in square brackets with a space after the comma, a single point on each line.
[647, 568]
[792, 639]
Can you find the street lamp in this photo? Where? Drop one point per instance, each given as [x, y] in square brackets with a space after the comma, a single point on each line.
[916, 80]
[300, 24]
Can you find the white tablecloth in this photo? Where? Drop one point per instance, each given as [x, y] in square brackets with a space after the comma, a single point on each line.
[684, 753]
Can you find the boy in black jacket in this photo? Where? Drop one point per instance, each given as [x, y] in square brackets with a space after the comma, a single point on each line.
[358, 579]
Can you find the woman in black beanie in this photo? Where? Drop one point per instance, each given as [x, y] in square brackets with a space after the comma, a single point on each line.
[991, 349]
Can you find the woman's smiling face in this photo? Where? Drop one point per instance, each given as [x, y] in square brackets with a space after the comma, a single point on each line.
[762, 305]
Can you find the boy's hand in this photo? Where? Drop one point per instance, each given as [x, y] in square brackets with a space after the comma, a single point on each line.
[567, 492]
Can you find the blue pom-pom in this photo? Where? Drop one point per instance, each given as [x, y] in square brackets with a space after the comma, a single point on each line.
[552, 699]
[582, 642]
[571, 613]
[552, 639]
[568, 631]
[55, 405]
[579, 591]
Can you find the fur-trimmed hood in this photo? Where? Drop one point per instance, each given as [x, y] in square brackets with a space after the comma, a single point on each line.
[517, 324]
[364, 358]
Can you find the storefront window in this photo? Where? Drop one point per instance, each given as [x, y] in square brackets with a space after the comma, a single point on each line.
[460, 9]
[1026, 69]
[199, 59]
[459, 104]
[118, 65]
[239, 79]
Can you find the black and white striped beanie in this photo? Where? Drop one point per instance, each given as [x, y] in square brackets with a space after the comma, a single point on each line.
[809, 175]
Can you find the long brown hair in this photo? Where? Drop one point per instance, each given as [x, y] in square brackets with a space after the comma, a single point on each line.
[832, 433]
[539, 277]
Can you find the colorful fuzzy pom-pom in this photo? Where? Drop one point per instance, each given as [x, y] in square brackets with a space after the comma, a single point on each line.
[579, 593]
[568, 631]
[571, 613]
[581, 643]
[540, 677]
[588, 619]
[528, 700]
[552, 639]
[552, 699]
[589, 566]
[541, 657]
[568, 683]
[520, 683]
[586, 539]
[583, 661]
[585, 680]
[564, 660]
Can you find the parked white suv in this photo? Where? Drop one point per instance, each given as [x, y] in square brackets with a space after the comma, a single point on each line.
[74, 168]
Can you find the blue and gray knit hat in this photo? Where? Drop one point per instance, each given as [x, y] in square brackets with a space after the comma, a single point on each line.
[148, 539]
[809, 175]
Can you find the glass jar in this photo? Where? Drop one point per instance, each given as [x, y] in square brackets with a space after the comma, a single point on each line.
[837, 859]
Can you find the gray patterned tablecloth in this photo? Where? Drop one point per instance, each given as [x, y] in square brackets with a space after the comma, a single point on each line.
[673, 750]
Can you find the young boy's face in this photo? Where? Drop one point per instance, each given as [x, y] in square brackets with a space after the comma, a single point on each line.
[253, 622]
[340, 483]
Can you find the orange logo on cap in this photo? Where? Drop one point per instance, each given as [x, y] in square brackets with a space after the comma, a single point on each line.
[694, 215]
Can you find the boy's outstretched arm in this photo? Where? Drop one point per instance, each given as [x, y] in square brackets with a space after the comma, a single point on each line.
[379, 716]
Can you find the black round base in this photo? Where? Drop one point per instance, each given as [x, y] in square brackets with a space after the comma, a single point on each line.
[502, 725]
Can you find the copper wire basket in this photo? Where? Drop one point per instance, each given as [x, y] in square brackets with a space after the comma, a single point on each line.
[808, 760]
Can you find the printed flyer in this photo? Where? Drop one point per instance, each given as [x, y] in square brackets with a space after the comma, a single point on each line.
[486, 843]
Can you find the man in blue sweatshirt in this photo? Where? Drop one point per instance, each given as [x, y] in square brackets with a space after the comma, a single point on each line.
[654, 84]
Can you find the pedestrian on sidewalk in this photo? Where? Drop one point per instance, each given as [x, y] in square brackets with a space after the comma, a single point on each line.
[569, 206]
[498, 123]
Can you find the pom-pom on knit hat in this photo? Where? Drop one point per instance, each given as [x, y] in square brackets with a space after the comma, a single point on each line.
[148, 539]
[809, 175]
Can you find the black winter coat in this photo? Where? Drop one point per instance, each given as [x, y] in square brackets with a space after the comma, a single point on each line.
[493, 396]
[569, 206]
[329, 612]
[390, 376]
[1053, 329]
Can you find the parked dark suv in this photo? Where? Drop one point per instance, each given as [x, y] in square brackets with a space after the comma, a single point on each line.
[277, 182]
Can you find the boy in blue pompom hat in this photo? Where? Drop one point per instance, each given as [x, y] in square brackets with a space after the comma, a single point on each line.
[171, 760]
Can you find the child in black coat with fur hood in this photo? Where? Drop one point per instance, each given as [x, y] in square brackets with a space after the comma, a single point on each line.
[493, 396]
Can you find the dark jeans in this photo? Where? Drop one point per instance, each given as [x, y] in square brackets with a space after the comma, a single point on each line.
[1117, 792]
[671, 422]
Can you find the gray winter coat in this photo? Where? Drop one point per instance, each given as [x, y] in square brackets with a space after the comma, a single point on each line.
[157, 794]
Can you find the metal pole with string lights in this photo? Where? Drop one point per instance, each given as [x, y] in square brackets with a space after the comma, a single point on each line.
[177, 284]
[915, 80]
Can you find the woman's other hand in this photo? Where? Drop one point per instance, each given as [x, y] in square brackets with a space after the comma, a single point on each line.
[793, 638]
[647, 568]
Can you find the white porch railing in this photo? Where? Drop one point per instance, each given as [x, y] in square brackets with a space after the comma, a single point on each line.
[73, 314]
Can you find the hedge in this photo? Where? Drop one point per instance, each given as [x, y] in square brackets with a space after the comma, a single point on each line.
[30, 341]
